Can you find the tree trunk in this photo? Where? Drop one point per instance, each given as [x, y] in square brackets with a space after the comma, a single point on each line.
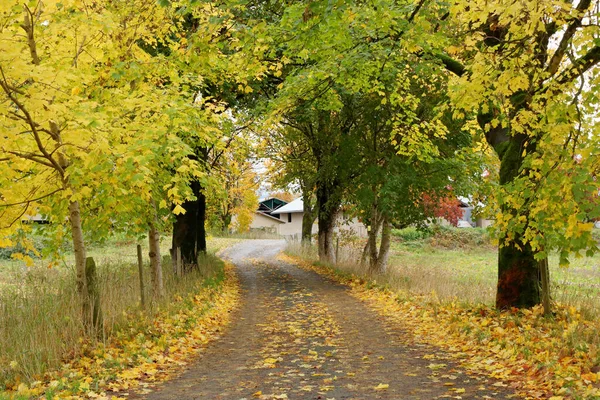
[378, 257]
[376, 223]
[95, 311]
[80, 260]
[188, 230]
[201, 222]
[155, 261]
[184, 233]
[384, 247]
[307, 222]
[326, 246]
[545, 277]
[327, 209]
[141, 276]
[226, 220]
[518, 272]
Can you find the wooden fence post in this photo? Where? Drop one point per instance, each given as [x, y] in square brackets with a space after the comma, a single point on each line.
[94, 293]
[179, 263]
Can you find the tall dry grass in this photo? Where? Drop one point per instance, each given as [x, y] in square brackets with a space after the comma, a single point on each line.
[466, 274]
[40, 315]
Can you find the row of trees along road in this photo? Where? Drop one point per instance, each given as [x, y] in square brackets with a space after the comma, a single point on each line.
[124, 116]
[518, 79]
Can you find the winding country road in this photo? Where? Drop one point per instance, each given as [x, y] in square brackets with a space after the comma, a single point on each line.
[297, 335]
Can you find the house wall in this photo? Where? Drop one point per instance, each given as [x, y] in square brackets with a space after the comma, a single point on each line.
[351, 226]
[294, 227]
[261, 222]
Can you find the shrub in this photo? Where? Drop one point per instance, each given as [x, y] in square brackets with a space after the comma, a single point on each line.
[453, 238]
[411, 234]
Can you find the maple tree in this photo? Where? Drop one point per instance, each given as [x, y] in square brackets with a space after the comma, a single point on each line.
[528, 71]
[235, 200]
[69, 118]
[289, 164]
[447, 208]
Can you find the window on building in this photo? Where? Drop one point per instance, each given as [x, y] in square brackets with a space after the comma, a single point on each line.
[290, 217]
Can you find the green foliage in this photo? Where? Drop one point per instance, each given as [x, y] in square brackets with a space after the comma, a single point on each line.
[456, 238]
[411, 234]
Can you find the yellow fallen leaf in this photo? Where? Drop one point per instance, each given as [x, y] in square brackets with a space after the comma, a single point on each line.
[381, 386]
[257, 394]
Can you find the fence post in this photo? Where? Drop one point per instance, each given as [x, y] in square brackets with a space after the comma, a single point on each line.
[178, 261]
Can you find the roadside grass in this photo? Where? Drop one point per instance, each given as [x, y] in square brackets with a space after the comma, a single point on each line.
[470, 275]
[444, 297]
[461, 265]
[40, 320]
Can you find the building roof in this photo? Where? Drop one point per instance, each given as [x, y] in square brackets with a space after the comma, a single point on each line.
[270, 205]
[296, 206]
[269, 216]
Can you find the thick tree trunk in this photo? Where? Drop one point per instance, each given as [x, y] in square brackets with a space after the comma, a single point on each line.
[184, 233]
[384, 247]
[80, 260]
[327, 209]
[518, 277]
[378, 257]
[155, 261]
[307, 222]
[189, 232]
[226, 220]
[518, 271]
[326, 245]
[189, 229]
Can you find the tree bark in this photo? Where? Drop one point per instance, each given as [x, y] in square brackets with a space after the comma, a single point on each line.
[141, 276]
[93, 295]
[185, 230]
[308, 220]
[80, 260]
[155, 261]
[545, 277]
[378, 257]
[327, 209]
[201, 222]
[384, 247]
[189, 229]
[518, 272]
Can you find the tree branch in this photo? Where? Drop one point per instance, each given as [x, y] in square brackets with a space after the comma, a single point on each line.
[29, 201]
[31, 157]
[580, 66]
[32, 124]
[559, 54]
[28, 28]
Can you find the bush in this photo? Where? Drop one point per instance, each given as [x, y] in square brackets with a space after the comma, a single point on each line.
[411, 234]
[6, 253]
[453, 238]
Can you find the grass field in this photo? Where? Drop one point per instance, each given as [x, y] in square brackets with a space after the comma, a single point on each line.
[40, 317]
[461, 265]
[470, 274]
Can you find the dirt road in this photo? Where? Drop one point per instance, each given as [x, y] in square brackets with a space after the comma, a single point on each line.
[297, 335]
